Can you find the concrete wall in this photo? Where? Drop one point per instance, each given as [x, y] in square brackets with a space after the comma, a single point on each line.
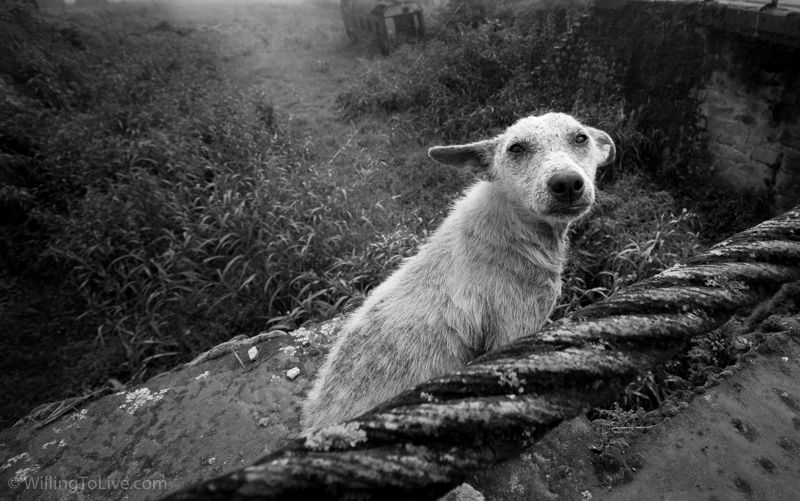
[750, 109]
[713, 102]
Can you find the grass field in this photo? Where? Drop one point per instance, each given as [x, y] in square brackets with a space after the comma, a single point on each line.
[177, 174]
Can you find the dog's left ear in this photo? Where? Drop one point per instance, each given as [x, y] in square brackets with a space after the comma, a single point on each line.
[605, 144]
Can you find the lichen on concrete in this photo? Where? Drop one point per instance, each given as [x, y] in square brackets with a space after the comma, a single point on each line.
[25, 473]
[336, 437]
[24, 457]
[168, 430]
[140, 397]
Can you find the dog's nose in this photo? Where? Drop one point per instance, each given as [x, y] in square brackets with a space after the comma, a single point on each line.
[566, 186]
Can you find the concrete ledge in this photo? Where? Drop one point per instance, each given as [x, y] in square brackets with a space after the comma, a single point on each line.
[178, 428]
[772, 24]
[760, 20]
[739, 440]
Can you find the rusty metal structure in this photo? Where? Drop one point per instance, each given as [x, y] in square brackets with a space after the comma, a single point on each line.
[387, 23]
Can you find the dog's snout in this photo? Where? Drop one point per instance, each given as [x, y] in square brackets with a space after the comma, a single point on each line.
[566, 186]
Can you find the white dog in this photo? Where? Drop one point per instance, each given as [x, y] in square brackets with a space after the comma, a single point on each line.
[490, 274]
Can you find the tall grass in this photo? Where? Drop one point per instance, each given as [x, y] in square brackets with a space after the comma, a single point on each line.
[173, 200]
[633, 233]
[473, 77]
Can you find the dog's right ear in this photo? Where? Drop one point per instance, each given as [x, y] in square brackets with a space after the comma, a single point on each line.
[606, 145]
[479, 153]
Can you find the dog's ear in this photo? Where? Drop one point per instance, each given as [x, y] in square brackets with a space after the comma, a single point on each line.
[605, 144]
[480, 153]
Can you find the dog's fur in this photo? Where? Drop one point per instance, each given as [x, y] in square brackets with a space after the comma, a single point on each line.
[490, 274]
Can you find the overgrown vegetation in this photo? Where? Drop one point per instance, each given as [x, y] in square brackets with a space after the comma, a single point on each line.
[634, 233]
[179, 210]
[172, 202]
[482, 72]
[493, 62]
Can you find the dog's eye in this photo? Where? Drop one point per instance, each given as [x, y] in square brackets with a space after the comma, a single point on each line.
[581, 138]
[516, 148]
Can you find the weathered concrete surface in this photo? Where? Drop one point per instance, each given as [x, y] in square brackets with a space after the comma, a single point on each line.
[178, 428]
[740, 440]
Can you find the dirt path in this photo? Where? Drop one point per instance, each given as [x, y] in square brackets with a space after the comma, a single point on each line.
[298, 55]
[296, 52]
[303, 78]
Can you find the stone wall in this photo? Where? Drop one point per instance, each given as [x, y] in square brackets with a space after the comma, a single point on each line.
[749, 107]
[716, 106]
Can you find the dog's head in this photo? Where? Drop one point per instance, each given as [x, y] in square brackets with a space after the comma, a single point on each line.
[547, 163]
